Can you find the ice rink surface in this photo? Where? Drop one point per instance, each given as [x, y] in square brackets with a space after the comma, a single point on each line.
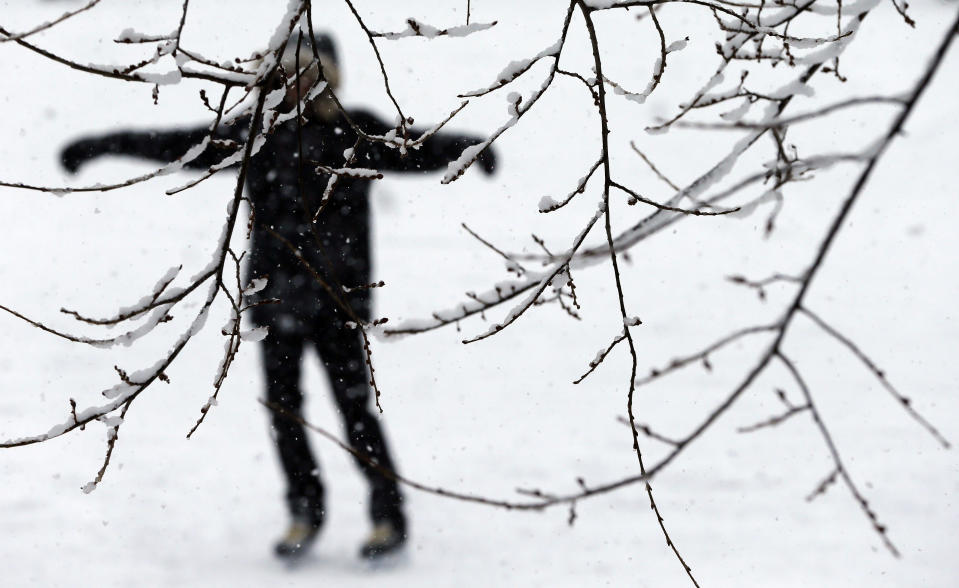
[500, 414]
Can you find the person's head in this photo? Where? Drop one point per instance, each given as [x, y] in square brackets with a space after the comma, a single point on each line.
[299, 55]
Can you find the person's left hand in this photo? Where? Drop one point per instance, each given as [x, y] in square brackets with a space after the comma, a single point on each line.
[487, 161]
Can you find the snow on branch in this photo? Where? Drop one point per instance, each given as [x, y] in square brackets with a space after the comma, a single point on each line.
[786, 167]
[515, 69]
[415, 28]
[8, 36]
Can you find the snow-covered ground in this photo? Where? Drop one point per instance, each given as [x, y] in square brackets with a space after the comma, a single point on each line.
[501, 414]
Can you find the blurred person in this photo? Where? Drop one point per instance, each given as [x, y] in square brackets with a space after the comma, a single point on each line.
[285, 193]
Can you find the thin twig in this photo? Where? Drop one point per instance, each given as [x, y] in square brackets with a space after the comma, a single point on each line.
[904, 401]
[837, 460]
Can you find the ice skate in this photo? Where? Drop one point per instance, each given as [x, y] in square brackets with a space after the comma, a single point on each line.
[297, 540]
[385, 542]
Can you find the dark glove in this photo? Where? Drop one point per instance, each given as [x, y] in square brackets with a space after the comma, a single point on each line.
[487, 161]
[78, 152]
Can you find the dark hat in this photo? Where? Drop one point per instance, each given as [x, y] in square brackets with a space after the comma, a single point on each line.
[324, 45]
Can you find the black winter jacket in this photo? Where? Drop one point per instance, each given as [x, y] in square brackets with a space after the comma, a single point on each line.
[275, 178]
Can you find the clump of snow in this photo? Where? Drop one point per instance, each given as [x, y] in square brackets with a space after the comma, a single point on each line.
[255, 334]
[415, 28]
[459, 165]
[737, 113]
[677, 45]
[516, 68]
[130, 35]
[256, 284]
[163, 79]
[547, 203]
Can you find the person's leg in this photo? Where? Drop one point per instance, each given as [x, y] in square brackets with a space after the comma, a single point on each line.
[281, 362]
[342, 354]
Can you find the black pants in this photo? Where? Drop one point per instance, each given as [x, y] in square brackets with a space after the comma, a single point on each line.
[341, 352]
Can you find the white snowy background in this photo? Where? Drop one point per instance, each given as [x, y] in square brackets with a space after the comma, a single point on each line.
[500, 414]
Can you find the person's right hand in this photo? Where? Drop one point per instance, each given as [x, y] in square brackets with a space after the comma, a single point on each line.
[77, 153]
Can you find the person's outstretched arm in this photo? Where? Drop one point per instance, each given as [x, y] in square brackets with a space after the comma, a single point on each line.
[161, 146]
[435, 153]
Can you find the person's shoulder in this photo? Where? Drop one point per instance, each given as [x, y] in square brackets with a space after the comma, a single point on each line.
[367, 120]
